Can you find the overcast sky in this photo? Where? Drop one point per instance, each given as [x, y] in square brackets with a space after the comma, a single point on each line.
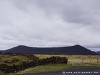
[43, 23]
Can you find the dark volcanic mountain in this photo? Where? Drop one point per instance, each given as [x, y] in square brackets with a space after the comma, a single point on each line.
[98, 52]
[75, 50]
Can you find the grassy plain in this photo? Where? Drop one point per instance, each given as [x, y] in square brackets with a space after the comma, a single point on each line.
[73, 62]
[77, 59]
[13, 59]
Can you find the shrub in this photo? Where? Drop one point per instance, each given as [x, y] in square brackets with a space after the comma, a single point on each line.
[53, 60]
[35, 62]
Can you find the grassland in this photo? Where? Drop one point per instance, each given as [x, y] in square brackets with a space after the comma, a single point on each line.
[8, 60]
[13, 59]
[44, 68]
[73, 62]
[77, 59]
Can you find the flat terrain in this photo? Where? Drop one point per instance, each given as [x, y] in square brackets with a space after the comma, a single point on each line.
[77, 59]
[74, 61]
[75, 71]
[13, 59]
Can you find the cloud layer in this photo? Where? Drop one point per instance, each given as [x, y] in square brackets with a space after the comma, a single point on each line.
[46, 23]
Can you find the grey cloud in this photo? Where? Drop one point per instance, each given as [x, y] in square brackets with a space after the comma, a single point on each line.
[84, 11]
[49, 23]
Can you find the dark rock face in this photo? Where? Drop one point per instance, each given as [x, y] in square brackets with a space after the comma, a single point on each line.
[75, 50]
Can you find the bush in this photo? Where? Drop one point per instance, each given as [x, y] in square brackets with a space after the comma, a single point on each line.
[53, 60]
[14, 60]
[35, 62]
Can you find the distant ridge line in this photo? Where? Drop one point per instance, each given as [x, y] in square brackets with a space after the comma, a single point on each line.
[70, 50]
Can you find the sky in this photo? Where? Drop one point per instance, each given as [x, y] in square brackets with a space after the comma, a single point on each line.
[49, 23]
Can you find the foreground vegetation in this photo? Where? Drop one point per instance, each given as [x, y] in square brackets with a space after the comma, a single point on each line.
[44, 68]
[10, 59]
[73, 62]
[77, 59]
[10, 66]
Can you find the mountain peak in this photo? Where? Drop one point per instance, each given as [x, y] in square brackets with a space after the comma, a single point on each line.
[21, 46]
[74, 50]
[78, 45]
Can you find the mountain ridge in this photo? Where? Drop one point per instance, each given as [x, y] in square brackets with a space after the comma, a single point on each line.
[98, 52]
[70, 50]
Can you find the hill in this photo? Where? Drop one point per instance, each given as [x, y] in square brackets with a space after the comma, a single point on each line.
[98, 52]
[71, 50]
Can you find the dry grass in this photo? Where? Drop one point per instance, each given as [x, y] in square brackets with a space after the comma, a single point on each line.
[9, 58]
[78, 59]
[73, 61]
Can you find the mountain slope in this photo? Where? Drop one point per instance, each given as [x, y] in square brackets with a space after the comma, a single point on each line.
[98, 52]
[77, 49]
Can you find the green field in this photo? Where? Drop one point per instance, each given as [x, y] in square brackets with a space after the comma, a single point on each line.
[77, 59]
[13, 59]
[45, 68]
[73, 61]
